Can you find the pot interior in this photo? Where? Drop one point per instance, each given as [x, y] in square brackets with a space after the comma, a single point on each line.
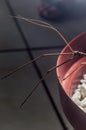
[70, 73]
[73, 76]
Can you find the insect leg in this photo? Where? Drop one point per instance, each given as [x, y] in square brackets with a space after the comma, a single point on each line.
[44, 77]
[46, 25]
[29, 62]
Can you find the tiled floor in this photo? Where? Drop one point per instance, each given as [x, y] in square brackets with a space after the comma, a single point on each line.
[15, 37]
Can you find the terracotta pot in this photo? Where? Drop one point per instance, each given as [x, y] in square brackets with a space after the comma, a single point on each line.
[66, 87]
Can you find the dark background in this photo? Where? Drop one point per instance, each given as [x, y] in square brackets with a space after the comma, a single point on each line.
[20, 42]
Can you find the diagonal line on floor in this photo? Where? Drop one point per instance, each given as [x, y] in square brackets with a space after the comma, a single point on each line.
[36, 67]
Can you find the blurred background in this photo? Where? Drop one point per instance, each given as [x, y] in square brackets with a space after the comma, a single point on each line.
[20, 42]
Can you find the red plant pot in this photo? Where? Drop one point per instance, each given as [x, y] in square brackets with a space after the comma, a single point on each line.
[66, 87]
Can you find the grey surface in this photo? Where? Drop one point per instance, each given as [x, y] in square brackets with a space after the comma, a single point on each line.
[37, 113]
[70, 26]
[9, 36]
[45, 64]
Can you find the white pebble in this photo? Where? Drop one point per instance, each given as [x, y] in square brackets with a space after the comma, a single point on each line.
[83, 81]
[79, 95]
[77, 101]
[79, 86]
[81, 108]
[83, 102]
[84, 110]
[83, 85]
[77, 90]
[76, 95]
[83, 91]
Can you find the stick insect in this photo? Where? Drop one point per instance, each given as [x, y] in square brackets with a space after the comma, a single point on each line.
[73, 54]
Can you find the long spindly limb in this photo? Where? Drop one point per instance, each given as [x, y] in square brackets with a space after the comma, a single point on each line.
[35, 59]
[43, 78]
[46, 25]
